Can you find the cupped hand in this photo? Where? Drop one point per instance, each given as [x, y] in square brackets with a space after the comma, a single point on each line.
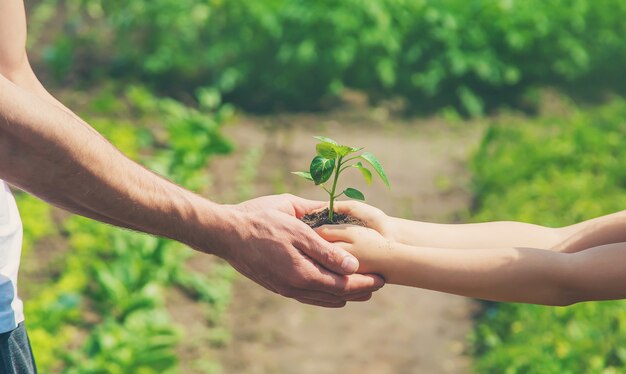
[368, 245]
[271, 246]
[372, 217]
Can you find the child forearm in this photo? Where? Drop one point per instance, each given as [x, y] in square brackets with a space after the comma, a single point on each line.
[476, 235]
[594, 232]
[591, 233]
[527, 275]
[506, 274]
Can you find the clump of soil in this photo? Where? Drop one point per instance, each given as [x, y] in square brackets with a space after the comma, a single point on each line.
[318, 219]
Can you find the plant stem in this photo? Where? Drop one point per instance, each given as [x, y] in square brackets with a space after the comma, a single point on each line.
[352, 158]
[346, 167]
[331, 212]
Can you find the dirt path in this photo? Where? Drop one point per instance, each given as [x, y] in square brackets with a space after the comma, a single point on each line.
[401, 330]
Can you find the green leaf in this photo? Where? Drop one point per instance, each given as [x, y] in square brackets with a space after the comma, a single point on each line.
[324, 139]
[354, 194]
[321, 169]
[326, 150]
[367, 174]
[372, 160]
[303, 174]
[345, 150]
[341, 150]
[209, 98]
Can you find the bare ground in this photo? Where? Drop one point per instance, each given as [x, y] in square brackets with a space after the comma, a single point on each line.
[401, 330]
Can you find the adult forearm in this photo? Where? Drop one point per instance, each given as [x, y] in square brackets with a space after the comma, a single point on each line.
[505, 274]
[50, 153]
[475, 235]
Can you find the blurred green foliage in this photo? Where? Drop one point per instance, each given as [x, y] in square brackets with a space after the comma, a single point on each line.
[292, 54]
[105, 312]
[552, 171]
[34, 227]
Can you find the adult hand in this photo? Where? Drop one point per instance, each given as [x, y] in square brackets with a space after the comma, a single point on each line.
[271, 246]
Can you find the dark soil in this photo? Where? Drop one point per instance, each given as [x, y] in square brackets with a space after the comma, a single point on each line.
[318, 219]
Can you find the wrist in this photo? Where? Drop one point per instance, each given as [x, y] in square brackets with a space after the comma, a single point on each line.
[211, 228]
[377, 258]
[391, 229]
[394, 263]
[386, 263]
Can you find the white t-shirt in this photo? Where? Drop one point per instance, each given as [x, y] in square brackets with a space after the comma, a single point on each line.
[11, 308]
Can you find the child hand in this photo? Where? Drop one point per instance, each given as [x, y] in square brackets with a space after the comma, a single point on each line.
[370, 247]
[372, 217]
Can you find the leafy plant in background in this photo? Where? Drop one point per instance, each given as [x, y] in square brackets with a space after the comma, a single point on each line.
[334, 158]
[286, 54]
[553, 171]
[35, 228]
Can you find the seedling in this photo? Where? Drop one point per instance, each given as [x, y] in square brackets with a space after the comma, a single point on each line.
[333, 158]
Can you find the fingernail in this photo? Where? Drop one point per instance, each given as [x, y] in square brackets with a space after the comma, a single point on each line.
[350, 264]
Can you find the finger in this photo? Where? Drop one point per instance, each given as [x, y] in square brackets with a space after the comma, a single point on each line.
[330, 256]
[304, 206]
[324, 304]
[357, 283]
[362, 298]
[339, 233]
[347, 207]
[368, 214]
[356, 209]
[322, 280]
[327, 297]
[351, 249]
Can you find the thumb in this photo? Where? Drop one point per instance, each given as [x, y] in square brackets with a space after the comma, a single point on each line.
[330, 256]
[304, 206]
